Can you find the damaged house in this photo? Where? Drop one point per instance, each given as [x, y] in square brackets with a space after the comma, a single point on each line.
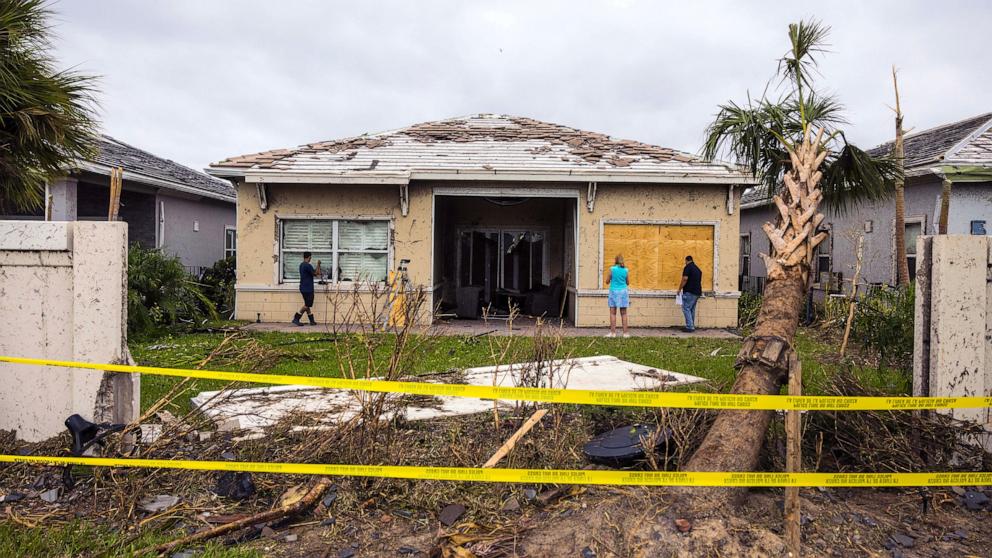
[489, 210]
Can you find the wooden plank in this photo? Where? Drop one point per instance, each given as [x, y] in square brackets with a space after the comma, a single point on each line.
[793, 460]
[512, 440]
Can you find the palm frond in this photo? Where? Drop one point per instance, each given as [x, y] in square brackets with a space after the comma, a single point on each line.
[47, 117]
[807, 40]
[853, 177]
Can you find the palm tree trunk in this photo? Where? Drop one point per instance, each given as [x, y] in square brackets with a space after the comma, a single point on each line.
[902, 264]
[735, 440]
[945, 205]
[899, 154]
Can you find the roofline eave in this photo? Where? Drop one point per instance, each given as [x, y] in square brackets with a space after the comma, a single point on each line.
[104, 170]
[367, 177]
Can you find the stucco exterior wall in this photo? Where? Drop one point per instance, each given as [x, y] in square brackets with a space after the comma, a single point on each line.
[878, 265]
[62, 296]
[970, 201]
[676, 204]
[259, 290]
[196, 248]
[260, 294]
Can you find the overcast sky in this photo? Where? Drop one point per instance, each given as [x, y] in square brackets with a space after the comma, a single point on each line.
[197, 81]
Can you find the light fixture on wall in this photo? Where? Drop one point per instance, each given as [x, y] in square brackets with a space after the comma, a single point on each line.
[868, 226]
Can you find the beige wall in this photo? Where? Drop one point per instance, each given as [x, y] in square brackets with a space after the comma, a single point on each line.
[660, 204]
[259, 290]
[260, 293]
[62, 296]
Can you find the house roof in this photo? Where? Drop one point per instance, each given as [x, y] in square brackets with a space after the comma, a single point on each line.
[141, 166]
[477, 147]
[967, 141]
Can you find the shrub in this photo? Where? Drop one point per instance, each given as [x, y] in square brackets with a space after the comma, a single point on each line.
[748, 306]
[217, 284]
[883, 324]
[161, 293]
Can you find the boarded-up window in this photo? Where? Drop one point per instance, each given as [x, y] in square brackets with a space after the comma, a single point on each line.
[655, 254]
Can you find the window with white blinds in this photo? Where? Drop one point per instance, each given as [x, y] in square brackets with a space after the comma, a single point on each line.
[348, 250]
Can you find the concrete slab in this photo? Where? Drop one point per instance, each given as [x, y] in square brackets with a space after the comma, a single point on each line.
[258, 408]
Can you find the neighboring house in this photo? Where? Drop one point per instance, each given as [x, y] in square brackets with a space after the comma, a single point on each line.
[486, 208]
[166, 205]
[960, 152]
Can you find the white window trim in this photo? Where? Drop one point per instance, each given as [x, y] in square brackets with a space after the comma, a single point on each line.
[716, 246]
[546, 265]
[750, 250]
[224, 248]
[280, 219]
[829, 241]
[919, 218]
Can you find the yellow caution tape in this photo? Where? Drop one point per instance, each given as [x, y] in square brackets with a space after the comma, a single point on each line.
[551, 395]
[536, 476]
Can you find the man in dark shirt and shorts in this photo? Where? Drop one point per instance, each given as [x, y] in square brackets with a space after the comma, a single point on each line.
[307, 273]
[691, 289]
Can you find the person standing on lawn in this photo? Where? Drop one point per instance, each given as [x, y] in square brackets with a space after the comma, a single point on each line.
[307, 273]
[619, 280]
[691, 289]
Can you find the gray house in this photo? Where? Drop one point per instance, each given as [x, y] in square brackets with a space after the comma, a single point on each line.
[960, 152]
[166, 205]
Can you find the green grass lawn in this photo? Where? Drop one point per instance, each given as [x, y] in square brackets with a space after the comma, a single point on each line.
[86, 539]
[311, 354]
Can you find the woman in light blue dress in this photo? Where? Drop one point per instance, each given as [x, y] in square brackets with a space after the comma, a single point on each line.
[619, 281]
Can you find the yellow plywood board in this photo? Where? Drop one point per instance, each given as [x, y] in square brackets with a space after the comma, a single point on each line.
[655, 254]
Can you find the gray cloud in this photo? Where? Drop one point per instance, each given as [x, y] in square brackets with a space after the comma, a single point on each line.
[199, 81]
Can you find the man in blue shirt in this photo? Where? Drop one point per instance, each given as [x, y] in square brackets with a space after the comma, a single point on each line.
[307, 273]
[691, 289]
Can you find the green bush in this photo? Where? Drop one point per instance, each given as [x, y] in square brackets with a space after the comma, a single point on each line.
[748, 306]
[883, 324]
[217, 284]
[161, 293]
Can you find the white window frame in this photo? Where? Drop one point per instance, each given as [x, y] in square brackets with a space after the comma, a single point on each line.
[335, 220]
[920, 219]
[233, 251]
[745, 270]
[827, 244]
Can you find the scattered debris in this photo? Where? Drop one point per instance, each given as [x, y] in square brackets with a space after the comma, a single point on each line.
[50, 496]
[975, 500]
[683, 525]
[530, 494]
[588, 553]
[625, 445]
[306, 502]
[346, 552]
[150, 433]
[450, 514]
[155, 504]
[510, 506]
[258, 408]
[235, 485]
[549, 496]
[11, 497]
[903, 540]
[291, 538]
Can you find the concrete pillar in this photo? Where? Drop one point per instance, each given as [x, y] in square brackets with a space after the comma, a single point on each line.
[63, 200]
[954, 320]
[63, 288]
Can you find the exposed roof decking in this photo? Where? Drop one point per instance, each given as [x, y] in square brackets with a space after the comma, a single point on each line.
[491, 144]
